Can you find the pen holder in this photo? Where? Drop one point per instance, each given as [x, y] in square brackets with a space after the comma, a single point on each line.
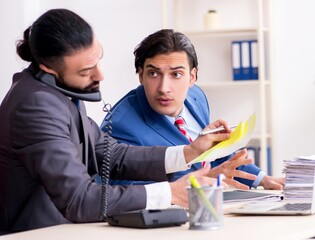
[206, 208]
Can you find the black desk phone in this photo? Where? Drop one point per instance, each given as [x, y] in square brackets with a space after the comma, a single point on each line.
[149, 218]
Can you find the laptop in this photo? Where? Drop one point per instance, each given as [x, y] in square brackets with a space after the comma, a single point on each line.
[283, 207]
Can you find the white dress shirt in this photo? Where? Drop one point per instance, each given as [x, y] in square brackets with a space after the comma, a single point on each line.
[159, 194]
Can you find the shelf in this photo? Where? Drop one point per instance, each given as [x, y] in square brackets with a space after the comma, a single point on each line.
[240, 20]
[229, 32]
[258, 137]
[241, 83]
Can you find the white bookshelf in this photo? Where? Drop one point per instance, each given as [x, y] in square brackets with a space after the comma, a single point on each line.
[229, 100]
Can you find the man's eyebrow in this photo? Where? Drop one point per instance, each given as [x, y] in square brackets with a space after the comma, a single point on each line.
[86, 69]
[151, 66]
[89, 68]
[157, 68]
[178, 67]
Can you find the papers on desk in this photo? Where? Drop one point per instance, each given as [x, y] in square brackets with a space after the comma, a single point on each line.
[238, 198]
[242, 196]
[299, 174]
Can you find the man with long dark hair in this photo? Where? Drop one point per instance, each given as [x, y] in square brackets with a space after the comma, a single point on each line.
[50, 151]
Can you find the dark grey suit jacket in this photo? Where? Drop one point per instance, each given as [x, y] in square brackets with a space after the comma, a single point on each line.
[46, 178]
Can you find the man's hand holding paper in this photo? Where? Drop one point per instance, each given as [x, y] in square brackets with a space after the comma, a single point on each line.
[222, 143]
[227, 142]
[207, 141]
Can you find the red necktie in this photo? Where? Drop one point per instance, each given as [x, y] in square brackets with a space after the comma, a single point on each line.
[179, 122]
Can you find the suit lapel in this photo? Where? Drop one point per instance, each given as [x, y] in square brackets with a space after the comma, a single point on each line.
[163, 127]
[194, 107]
[82, 113]
[88, 159]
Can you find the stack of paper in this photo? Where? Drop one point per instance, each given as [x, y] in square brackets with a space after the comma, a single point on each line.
[299, 177]
[245, 195]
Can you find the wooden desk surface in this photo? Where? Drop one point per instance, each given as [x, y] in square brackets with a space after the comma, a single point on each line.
[235, 227]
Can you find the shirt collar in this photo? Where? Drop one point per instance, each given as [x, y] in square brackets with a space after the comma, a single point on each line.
[183, 114]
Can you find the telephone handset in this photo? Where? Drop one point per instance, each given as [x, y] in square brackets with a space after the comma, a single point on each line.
[51, 80]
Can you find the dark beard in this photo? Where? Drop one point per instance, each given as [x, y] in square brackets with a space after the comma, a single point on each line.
[87, 89]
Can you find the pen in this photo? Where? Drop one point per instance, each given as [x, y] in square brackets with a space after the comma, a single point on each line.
[215, 130]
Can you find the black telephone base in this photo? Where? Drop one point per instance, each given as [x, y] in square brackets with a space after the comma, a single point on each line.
[149, 218]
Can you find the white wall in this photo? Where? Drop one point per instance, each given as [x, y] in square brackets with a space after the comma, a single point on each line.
[294, 80]
[11, 25]
[119, 25]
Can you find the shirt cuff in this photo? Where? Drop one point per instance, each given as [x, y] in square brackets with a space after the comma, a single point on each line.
[159, 195]
[260, 176]
[175, 159]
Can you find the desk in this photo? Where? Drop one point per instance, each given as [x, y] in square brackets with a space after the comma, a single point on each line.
[235, 227]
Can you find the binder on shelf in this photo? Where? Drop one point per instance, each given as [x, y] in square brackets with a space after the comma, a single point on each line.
[245, 60]
[236, 60]
[253, 59]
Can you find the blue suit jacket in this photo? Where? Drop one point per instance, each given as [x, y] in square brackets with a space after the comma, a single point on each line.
[135, 122]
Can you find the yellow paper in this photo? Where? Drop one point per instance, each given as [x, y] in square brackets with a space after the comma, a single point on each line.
[238, 139]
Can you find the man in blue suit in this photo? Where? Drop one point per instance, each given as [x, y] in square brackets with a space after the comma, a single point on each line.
[167, 65]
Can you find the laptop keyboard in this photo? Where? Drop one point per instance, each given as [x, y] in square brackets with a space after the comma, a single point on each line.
[294, 207]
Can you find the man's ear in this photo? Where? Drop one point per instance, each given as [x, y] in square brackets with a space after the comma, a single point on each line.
[193, 77]
[140, 73]
[48, 70]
